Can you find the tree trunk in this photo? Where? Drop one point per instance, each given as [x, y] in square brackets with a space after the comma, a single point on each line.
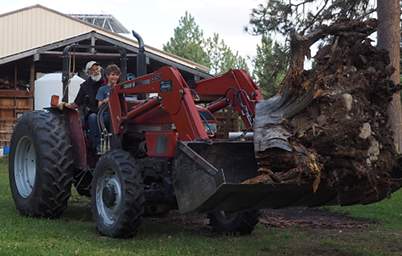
[389, 38]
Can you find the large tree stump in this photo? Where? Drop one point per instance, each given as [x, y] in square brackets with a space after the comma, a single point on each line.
[328, 126]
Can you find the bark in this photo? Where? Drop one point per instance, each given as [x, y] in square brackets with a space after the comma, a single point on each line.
[389, 38]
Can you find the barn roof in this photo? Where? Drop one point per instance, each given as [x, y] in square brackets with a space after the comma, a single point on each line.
[29, 30]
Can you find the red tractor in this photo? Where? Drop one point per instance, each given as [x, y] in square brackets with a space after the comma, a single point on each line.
[160, 154]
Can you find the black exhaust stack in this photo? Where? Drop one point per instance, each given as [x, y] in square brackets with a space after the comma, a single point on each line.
[141, 57]
[141, 61]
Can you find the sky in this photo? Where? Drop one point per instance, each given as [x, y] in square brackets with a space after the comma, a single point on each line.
[155, 20]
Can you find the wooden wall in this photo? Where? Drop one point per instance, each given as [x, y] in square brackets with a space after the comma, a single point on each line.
[12, 104]
[227, 121]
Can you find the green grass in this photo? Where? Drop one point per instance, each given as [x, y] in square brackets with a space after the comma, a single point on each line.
[74, 234]
[388, 212]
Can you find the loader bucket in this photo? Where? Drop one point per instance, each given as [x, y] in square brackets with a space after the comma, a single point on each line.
[209, 176]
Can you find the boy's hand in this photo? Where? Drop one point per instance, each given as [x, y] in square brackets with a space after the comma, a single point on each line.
[103, 101]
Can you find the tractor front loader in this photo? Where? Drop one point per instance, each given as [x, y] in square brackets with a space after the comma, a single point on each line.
[160, 154]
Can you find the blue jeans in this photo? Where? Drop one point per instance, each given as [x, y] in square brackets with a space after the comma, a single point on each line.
[94, 136]
[106, 120]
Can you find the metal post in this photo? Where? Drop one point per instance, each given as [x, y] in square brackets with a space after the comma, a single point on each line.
[66, 71]
[123, 64]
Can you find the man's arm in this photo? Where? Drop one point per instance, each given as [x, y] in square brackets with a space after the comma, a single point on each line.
[79, 99]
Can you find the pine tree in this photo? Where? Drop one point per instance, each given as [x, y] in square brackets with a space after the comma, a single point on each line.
[187, 41]
[270, 65]
[282, 16]
[221, 56]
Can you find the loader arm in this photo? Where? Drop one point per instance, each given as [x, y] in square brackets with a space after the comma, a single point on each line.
[235, 88]
[175, 98]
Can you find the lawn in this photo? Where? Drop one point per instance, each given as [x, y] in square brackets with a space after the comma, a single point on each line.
[74, 234]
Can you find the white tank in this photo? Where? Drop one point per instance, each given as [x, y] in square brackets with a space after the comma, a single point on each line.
[51, 84]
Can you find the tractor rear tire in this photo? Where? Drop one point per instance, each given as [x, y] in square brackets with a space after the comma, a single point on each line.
[117, 195]
[41, 165]
[238, 223]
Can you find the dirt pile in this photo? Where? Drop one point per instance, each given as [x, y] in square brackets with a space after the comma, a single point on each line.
[328, 126]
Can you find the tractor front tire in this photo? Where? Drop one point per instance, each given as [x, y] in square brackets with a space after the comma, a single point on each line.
[117, 195]
[41, 165]
[237, 223]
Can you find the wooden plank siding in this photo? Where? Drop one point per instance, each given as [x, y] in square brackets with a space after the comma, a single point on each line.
[12, 104]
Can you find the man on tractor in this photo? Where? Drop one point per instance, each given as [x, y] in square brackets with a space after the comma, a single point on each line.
[86, 100]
